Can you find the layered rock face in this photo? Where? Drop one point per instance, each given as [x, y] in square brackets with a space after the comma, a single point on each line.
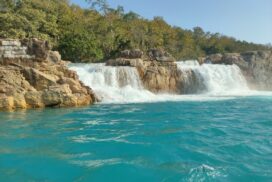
[157, 69]
[32, 76]
[255, 65]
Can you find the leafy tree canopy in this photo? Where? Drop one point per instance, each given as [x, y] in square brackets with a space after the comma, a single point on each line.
[98, 33]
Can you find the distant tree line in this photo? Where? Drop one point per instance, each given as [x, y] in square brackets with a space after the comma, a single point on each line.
[100, 32]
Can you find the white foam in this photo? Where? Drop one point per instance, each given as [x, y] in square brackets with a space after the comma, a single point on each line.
[123, 85]
[218, 79]
[113, 84]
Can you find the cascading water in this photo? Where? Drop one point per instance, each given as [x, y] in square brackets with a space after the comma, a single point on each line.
[113, 84]
[215, 79]
[123, 84]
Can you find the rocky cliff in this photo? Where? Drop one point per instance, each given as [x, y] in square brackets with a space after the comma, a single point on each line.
[255, 65]
[33, 76]
[157, 69]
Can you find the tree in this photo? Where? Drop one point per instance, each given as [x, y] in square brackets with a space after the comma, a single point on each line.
[100, 32]
[100, 5]
[80, 47]
[131, 16]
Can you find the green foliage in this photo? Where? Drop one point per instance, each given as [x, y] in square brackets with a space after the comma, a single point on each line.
[79, 47]
[101, 5]
[100, 32]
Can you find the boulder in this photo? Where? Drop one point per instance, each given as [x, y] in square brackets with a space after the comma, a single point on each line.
[36, 47]
[38, 78]
[157, 69]
[131, 54]
[34, 99]
[230, 58]
[124, 62]
[12, 81]
[73, 85]
[54, 56]
[6, 102]
[19, 101]
[52, 98]
[160, 55]
[214, 59]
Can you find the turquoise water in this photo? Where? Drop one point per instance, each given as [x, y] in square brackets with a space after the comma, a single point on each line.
[227, 140]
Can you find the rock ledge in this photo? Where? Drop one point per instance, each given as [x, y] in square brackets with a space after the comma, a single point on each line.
[33, 76]
[157, 69]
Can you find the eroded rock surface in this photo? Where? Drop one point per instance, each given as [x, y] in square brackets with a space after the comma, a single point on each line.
[157, 69]
[33, 76]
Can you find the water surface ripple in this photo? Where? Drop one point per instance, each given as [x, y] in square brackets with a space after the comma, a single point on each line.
[224, 140]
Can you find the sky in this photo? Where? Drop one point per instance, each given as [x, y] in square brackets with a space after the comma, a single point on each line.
[249, 20]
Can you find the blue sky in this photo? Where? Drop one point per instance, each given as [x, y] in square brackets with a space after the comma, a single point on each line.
[249, 20]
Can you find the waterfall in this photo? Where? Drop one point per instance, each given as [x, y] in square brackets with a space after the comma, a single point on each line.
[123, 84]
[113, 84]
[214, 79]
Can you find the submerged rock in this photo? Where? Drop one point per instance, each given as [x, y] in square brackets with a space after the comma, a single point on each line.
[33, 76]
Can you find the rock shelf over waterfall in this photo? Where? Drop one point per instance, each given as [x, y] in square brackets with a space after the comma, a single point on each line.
[157, 70]
[156, 76]
[161, 73]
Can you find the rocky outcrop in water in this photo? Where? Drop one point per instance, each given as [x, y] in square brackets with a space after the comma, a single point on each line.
[255, 65]
[33, 76]
[157, 69]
